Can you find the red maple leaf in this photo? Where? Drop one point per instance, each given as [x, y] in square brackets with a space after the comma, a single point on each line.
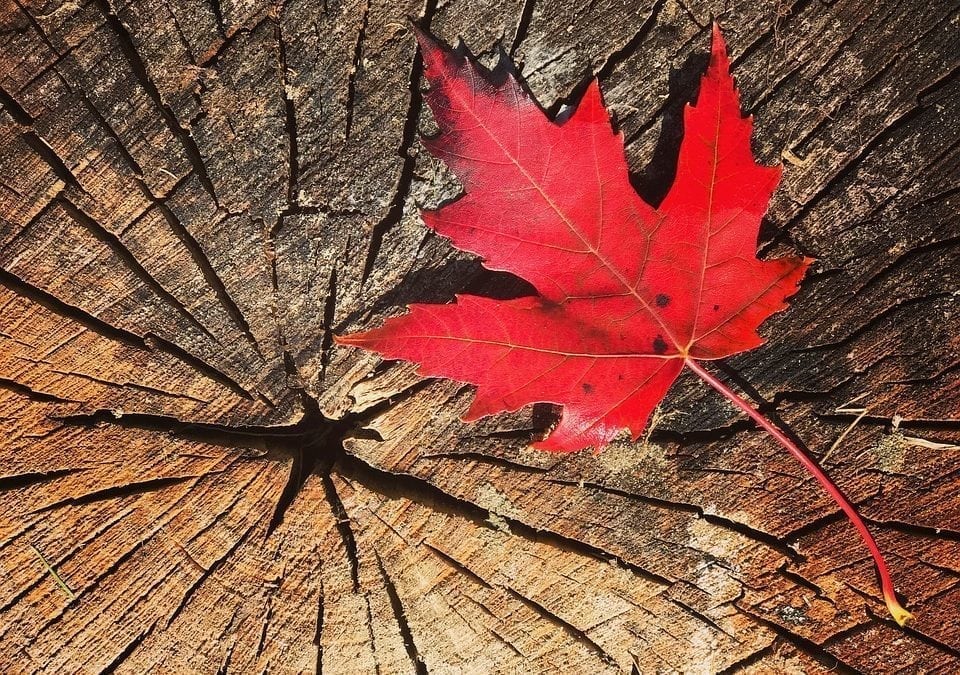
[628, 295]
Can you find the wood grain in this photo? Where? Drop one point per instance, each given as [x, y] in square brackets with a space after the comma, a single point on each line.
[195, 195]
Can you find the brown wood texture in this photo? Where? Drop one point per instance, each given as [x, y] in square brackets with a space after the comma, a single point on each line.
[195, 195]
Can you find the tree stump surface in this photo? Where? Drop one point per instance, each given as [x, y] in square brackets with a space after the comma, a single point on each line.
[195, 195]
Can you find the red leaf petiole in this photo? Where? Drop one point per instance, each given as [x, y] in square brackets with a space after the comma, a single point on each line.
[900, 615]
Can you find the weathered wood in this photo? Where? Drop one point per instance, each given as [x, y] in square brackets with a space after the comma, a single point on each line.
[196, 194]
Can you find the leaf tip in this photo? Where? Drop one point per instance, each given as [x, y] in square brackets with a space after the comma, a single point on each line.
[549, 445]
[590, 108]
[423, 37]
[432, 51]
[719, 59]
[803, 267]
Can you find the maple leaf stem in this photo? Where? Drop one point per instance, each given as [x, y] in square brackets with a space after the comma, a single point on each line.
[900, 615]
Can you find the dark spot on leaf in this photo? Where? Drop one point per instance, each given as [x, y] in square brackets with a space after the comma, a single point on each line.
[716, 307]
[592, 332]
[587, 387]
[659, 346]
[550, 307]
[662, 300]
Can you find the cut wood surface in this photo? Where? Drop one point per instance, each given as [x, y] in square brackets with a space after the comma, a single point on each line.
[196, 195]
